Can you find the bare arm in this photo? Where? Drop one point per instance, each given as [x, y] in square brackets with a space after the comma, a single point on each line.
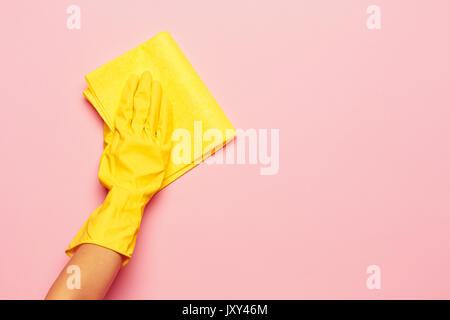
[96, 267]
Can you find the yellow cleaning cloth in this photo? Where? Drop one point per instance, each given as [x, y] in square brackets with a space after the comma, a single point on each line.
[194, 108]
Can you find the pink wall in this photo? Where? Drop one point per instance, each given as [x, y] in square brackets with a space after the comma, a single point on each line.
[364, 149]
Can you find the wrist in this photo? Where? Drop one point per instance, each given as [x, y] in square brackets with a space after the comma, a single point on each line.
[115, 224]
[125, 200]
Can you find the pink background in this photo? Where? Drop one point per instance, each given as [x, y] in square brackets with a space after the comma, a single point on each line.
[364, 153]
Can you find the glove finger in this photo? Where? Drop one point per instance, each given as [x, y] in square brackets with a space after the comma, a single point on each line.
[142, 99]
[125, 109]
[152, 119]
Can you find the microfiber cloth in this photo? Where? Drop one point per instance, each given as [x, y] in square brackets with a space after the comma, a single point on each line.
[190, 98]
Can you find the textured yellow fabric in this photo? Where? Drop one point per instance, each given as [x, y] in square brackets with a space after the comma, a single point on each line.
[190, 98]
[132, 166]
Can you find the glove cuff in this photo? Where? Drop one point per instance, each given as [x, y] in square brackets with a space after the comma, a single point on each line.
[115, 224]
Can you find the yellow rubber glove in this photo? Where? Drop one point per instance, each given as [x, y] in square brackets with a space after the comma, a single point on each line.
[132, 166]
[191, 100]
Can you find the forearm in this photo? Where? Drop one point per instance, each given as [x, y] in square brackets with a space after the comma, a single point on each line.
[97, 267]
